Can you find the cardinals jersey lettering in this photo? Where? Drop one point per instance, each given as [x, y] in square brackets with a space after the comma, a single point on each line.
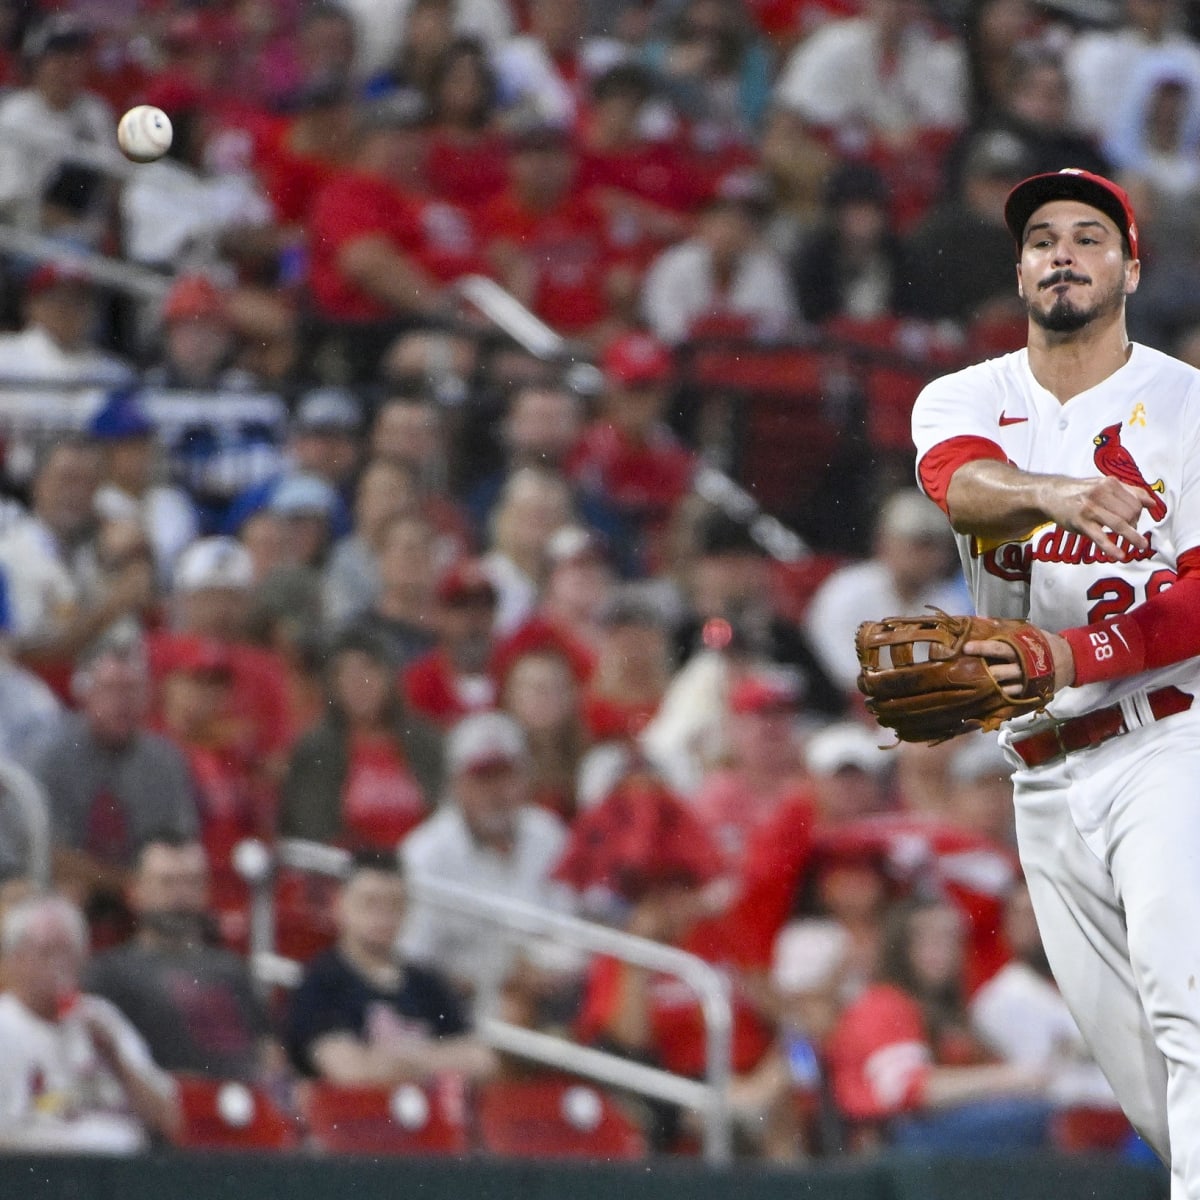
[1140, 425]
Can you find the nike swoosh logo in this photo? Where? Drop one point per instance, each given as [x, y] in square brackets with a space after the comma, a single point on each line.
[1007, 420]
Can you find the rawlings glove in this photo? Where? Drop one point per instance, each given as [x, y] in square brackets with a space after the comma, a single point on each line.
[918, 681]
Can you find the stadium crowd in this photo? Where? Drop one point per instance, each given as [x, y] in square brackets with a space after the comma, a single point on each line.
[295, 543]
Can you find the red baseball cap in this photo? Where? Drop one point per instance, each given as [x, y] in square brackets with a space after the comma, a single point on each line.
[52, 274]
[199, 656]
[194, 298]
[762, 694]
[1071, 183]
[637, 358]
[466, 580]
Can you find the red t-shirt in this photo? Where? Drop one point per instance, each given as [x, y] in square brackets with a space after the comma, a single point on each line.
[655, 171]
[431, 688]
[257, 723]
[291, 180]
[381, 799]
[677, 1033]
[878, 1055]
[470, 173]
[351, 206]
[606, 719]
[645, 480]
[733, 812]
[569, 249]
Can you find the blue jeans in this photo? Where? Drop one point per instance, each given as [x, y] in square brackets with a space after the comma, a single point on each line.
[981, 1126]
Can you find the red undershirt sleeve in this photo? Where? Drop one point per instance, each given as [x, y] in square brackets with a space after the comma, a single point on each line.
[1163, 630]
[939, 463]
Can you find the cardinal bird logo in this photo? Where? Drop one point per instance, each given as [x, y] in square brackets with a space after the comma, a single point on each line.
[1111, 458]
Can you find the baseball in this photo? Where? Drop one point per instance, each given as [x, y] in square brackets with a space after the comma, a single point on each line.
[144, 133]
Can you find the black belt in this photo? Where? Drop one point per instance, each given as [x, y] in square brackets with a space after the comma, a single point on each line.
[1078, 733]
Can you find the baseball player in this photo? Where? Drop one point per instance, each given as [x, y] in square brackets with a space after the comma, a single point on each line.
[1070, 472]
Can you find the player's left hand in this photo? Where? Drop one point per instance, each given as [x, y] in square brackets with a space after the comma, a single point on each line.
[1002, 663]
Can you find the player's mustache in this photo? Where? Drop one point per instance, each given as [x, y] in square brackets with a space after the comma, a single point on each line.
[1063, 276]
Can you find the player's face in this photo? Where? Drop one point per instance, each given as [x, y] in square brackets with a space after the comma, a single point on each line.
[1073, 271]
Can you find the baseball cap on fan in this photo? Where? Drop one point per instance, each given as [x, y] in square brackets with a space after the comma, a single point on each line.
[637, 360]
[1071, 183]
[484, 742]
[214, 562]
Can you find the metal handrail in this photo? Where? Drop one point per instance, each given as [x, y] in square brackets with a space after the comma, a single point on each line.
[31, 800]
[113, 273]
[710, 1098]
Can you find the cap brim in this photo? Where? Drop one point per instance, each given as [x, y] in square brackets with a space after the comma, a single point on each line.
[1030, 194]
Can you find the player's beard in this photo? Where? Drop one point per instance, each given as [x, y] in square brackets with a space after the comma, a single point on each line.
[1063, 316]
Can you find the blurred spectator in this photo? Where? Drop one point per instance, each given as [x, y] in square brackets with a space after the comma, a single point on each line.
[187, 210]
[319, 52]
[192, 1000]
[883, 76]
[904, 1066]
[641, 860]
[795, 163]
[75, 1074]
[1034, 108]
[1021, 1017]
[264, 538]
[648, 183]
[130, 486]
[994, 30]
[730, 601]
[912, 564]
[383, 246]
[109, 781]
[55, 348]
[971, 224]
[550, 243]
[1102, 62]
[453, 679]
[541, 692]
[363, 1016]
[852, 264]
[386, 491]
[370, 771]
[59, 601]
[763, 765]
[724, 271]
[297, 158]
[633, 667]
[544, 73]
[426, 32]
[468, 159]
[489, 837]
[383, 25]
[221, 434]
[323, 440]
[533, 505]
[628, 457]
[579, 583]
[716, 70]
[1154, 144]
[308, 506]
[212, 597]
[41, 122]
[194, 697]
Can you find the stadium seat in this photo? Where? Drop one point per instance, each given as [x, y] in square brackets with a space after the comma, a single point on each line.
[409, 1119]
[555, 1117]
[222, 1114]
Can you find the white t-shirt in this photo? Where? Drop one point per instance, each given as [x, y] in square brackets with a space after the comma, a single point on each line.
[1148, 415]
[1022, 1018]
[442, 848]
[838, 77]
[56, 1093]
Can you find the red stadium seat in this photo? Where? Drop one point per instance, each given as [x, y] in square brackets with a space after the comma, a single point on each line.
[221, 1114]
[409, 1119]
[555, 1117]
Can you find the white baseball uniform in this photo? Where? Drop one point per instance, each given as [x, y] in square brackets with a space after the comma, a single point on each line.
[1109, 834]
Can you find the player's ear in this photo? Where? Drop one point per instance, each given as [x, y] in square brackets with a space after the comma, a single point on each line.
[1133, 275]
[1020, 285]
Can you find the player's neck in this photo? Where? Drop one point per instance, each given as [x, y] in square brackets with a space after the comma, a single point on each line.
[1067, 364]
